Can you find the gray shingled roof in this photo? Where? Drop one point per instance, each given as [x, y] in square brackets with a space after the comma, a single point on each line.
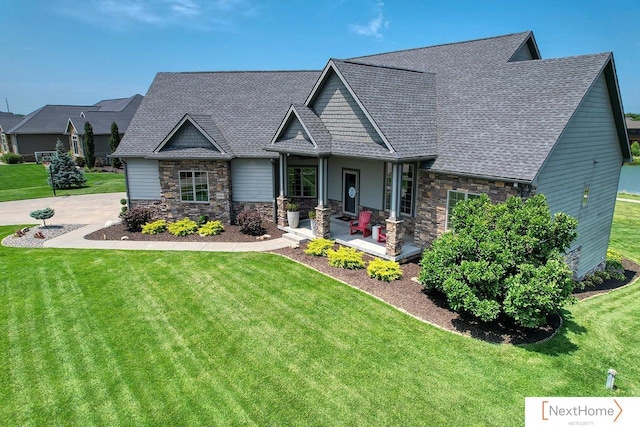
[631, 124]
[9, 121]
[246, 107]
[497, 118]
[473, 105]
[53, 119]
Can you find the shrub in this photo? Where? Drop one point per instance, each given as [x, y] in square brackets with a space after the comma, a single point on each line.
[211, 228]
[292, 207]
[11, 158]
[319, 247]
[154, 227]
[135, 218]
[503, 259]
[250, 222]
[344, 257]
[183, 227]
[43, 214]
[80, 161]
[635, 149]
[384, 270]
[124, 207]
[312, 214]
[202, 219]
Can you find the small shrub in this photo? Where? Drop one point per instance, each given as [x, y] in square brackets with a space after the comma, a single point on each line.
[135, 218]
[250, 222]
[202, 219]
[42, 214]
[386, 271]
[80, 161]
[11, 158]
[183, 227]
[635, 149]
[614, 265]
[292, 207]
[154, 227]
[319, 247]
[211, 228]
[344, 257]
[312, 214]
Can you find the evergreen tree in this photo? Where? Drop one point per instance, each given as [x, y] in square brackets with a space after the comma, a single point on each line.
[89, 146]
[64, 171]
[114, 141]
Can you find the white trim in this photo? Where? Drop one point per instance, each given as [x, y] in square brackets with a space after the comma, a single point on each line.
[193, 184]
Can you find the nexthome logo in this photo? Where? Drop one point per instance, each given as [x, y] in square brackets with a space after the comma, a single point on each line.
[582, 411]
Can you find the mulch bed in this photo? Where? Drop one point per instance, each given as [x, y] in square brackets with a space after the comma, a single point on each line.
[408, 295]
[231, 233]
[405, 294]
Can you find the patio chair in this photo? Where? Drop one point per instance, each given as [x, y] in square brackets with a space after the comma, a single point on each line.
[361, 224]
[382, 235]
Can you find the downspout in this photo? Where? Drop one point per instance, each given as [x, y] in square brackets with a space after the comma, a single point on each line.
[126, 182]
[274, 189]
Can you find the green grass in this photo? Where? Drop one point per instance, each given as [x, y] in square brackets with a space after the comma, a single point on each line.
[168, 338]
[629, 196]
[29, 181]
[625, 232]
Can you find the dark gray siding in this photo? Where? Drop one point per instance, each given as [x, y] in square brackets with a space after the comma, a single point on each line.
[188, 136]
[251, 180]
[143, 179]
[588, 153]
[341, 114]
[524, 54]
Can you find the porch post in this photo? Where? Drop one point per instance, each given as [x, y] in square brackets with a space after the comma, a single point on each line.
[323, 214]
[395, 226]
[281, 201]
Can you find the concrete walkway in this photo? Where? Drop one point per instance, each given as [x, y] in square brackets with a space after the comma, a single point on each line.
[95, 210]
[627, 200]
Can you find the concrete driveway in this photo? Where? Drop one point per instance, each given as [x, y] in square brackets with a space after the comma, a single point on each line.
[82, 209]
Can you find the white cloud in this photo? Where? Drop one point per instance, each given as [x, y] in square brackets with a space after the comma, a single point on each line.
[126, 14]
[374, 27]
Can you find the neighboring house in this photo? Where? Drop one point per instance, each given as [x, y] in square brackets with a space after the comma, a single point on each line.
[7, 121]
[39, 130]
[633, 127]
[404, 134]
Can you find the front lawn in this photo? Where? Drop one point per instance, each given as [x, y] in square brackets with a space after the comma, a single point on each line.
[29, 181]
[193, 338]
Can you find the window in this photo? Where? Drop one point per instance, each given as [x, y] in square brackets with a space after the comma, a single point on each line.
[302, 181]
[585, 195]
[194, 186]
[408, 186]
[454, 197]
[75, 144]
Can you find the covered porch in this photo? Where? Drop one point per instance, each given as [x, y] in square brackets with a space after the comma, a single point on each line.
[339, 231]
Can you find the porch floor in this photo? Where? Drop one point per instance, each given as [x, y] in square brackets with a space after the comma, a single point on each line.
[340, 233]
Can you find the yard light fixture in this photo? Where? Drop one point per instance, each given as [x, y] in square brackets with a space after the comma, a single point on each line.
[611, 377]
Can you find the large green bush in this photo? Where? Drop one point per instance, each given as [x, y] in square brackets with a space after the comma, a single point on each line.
[11, 158]
[503, 260]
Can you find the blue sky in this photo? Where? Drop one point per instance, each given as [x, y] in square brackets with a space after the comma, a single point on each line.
[82, 51]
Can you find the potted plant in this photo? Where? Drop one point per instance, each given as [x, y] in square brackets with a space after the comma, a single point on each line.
[312, 220]
[293, 214]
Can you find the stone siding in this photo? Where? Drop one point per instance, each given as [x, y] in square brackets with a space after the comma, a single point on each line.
[219, 205]
[431, 217]
[265, 209]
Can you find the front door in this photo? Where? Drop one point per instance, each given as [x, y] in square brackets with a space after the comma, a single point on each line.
[350, 190]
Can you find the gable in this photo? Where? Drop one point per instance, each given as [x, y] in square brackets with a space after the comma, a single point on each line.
[341, 114]
[187, 136]
[294, 130]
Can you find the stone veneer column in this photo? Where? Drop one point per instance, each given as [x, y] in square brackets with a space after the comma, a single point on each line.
[282, 210]
[395, 232]
[323, 220]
